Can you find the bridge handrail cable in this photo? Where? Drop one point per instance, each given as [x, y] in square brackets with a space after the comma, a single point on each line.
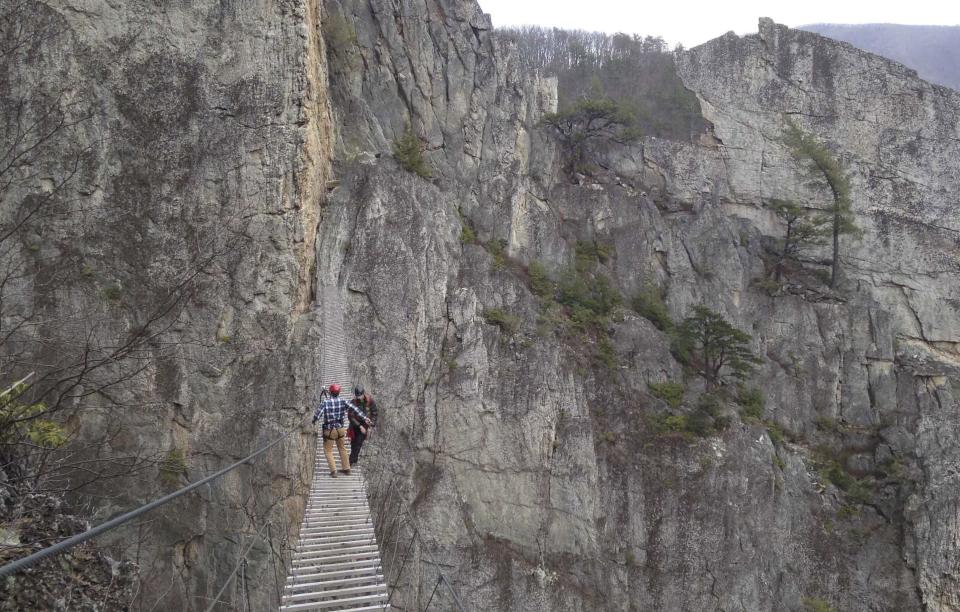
[60, 547]
[405, 517]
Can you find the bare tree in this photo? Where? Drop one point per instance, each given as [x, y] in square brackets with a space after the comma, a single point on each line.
[90, 349]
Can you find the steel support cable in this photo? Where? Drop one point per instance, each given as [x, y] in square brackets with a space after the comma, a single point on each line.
[433, 592]
[273, 557]
[403, 564]
[453, 593]
[64, 545]
[240, 562]
[417, 537]
[442, 578]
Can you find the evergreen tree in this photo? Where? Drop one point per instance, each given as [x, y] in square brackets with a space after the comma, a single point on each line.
[588, 120]
[408, 150]
[717, 350]
[822, 162]
[802, 231]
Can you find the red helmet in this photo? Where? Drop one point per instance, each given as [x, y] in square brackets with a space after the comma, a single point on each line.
[334, 389]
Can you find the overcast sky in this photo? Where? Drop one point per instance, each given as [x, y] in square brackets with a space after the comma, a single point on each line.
[692, 23]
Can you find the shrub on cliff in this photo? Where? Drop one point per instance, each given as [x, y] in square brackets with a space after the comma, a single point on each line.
[498, 252]
[540, 283]
[408, 151]
[505, 321]
[751, 402]
[649, 305]
[20, 420]
[588, 294]
[670, 392]
[590, 299]
[815, 604]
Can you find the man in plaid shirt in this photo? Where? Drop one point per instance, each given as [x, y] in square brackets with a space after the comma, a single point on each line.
[332, 413]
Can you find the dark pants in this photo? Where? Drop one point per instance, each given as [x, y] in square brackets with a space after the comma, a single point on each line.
[355, 444]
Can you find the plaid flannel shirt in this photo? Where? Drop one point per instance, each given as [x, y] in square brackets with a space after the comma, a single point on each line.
[332, 411]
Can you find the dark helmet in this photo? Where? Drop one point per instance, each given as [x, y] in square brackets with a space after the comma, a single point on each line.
[334, 389]
[358, 391]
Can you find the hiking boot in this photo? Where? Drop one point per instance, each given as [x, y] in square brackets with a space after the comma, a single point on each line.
[333, 474]
[347, 472]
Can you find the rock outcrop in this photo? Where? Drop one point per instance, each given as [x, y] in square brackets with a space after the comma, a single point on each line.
[529, 462]
[536, 478]
[932, 51]
[186, 168]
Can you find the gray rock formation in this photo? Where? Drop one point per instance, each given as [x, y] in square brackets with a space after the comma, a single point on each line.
[193, 165]
[535, 478]
[933, 51]
[533, 472]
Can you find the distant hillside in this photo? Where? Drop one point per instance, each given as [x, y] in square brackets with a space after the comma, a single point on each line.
[638, 72]
[933, 51]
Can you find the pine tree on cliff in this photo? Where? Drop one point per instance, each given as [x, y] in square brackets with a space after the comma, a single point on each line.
[717, 350]
[408, 151]
[822, 162]
[589, 120]
[803, 231]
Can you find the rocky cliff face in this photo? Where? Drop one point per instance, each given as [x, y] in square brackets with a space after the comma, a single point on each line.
[932, 51]
[532, 469]
[182, 181]
[536, 477]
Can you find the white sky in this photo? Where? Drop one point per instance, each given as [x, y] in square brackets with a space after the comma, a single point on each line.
[695, 22]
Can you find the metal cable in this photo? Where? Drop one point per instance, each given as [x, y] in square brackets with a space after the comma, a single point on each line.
[403, 564]
[60, 547]
[240, 563]
[246, 585]
[417, 537]
[433, 592]
[453, 593]
[273, 557]
[442, 578]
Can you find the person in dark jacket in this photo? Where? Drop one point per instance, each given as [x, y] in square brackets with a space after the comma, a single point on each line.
[331, 413]
[360, 430]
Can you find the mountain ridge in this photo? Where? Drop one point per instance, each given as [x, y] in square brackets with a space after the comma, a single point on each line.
[932, 50]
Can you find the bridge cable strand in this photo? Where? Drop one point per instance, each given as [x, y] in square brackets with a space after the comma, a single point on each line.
[440, 575]
[64, 545]
[240, 563]
[409, 520]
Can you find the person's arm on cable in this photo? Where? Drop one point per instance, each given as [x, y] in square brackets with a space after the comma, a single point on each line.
[355, 410]
[373, 412]
[324, 394]
[319, 410]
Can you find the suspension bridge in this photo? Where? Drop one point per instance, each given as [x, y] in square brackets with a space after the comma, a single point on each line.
[336, 563]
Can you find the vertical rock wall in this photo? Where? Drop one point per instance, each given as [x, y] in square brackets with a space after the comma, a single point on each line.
[534, 477]
[208, 139]
[202, 138]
